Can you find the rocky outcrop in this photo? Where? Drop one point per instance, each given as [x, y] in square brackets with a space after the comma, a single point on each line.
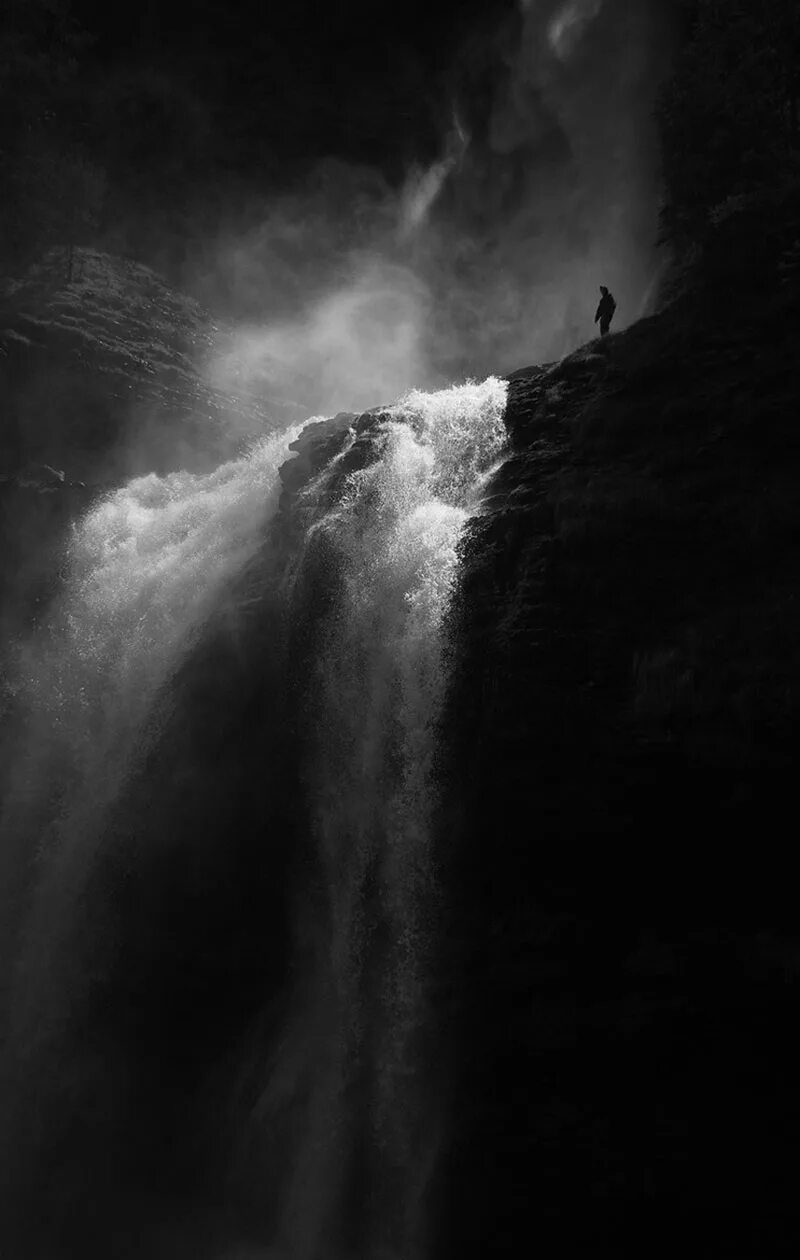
[622, 735]
[108, 373]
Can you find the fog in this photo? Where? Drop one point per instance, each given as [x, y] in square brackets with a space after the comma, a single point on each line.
[345, 291]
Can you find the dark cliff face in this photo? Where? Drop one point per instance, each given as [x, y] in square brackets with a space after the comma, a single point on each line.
[103, 378]
[617, 988]
[622, 740]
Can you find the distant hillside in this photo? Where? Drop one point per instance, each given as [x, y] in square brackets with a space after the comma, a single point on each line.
[105, 375]
[101, 379]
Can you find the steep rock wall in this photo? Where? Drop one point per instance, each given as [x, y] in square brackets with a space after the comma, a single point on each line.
[622, 738]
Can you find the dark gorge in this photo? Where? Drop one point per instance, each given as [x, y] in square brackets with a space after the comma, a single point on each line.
[394, 855]
[397, 838]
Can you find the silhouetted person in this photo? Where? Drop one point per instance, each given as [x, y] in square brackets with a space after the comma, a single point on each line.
[605, 311]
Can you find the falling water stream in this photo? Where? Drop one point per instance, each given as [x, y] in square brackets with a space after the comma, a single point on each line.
[339, 1128]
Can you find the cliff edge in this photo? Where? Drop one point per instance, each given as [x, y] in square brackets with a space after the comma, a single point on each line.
[622, 737]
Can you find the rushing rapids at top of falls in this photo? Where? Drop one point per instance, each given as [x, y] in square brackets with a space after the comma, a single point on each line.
[219, 870]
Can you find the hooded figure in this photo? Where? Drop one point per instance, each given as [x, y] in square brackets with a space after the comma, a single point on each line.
[605, 311]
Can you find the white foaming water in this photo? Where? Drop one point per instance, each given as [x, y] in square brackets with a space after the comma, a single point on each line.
[145, 568]
[381, 683]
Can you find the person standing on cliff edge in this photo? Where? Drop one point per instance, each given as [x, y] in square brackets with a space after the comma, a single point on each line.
[605, 311]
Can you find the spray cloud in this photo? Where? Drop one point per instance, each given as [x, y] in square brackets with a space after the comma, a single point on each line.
[489, 258]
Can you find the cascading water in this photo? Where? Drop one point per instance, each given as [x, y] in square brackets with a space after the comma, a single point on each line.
[144, 571]
[229, 776]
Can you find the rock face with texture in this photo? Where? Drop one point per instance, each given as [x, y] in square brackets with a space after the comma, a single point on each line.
[622, 735]
[108, 373]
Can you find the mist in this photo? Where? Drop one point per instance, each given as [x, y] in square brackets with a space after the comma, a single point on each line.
[345, 291]
[344, 284]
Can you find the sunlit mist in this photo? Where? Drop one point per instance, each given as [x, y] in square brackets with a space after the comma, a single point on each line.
[487, 258]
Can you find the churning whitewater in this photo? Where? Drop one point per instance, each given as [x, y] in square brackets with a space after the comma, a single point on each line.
[223, 895]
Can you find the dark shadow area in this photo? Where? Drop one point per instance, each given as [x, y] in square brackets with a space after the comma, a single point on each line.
[621, 999]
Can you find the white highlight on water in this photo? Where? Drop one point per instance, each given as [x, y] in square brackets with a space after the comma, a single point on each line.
[381, 681]
[146, 568]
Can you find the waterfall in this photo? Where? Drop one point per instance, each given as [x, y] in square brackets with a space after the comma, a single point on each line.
[223, 804]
